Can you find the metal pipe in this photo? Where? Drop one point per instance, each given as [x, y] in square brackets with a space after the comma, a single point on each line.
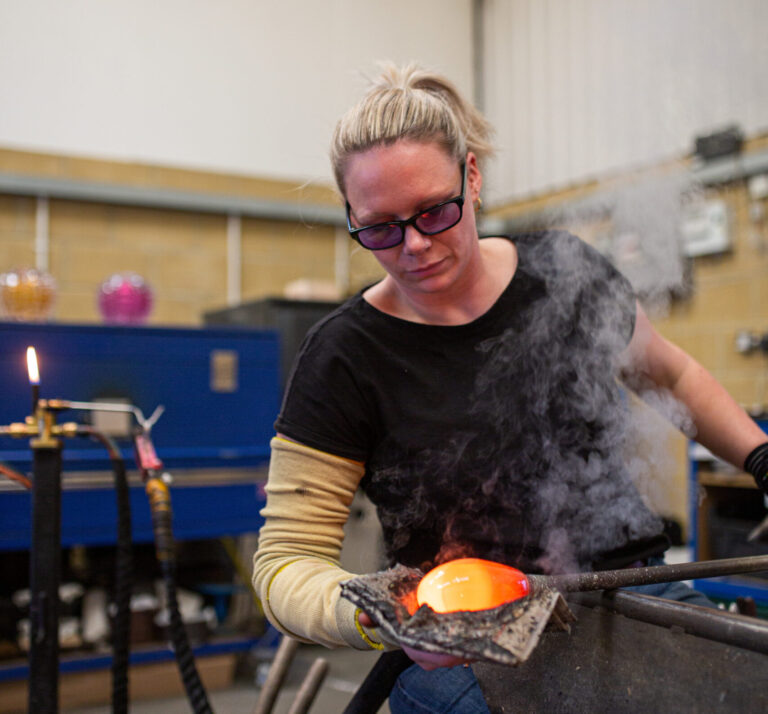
[234, 258]
[277, 671]
[154, 197]
[627, 577]
[42, 234]
[341, 243]
[146, 424]
[737, 630]
[600, 202]
[309, 687]
[478, 53]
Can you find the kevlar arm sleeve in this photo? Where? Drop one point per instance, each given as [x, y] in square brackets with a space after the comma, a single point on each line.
[296, 567]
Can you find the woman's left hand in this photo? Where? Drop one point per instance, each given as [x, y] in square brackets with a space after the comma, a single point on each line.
[430, 660]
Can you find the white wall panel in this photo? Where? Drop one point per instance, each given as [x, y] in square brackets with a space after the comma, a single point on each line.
[580, 89]
[251, 86]
[577, 89]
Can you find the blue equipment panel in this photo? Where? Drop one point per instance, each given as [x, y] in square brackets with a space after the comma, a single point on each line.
[204, 424]
[89, 515]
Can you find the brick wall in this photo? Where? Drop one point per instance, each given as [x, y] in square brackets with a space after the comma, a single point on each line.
[729, 293]
[182, 254]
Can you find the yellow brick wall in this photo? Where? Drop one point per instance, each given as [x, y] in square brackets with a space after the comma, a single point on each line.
[364, 269]
[730, 292]
[274, 253]
[17, 231]
[181, 254]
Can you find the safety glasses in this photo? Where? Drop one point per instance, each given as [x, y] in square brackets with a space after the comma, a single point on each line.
[436, 219]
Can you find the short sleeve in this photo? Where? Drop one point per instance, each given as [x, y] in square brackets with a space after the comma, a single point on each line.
[324, 406]
[585, 287]
[610, 296]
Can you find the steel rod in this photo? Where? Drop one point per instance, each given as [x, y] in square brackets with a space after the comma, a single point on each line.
[277, 671]
[309, 687]
[628, 577]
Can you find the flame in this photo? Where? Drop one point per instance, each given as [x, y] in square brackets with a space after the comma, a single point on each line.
[471, 584]
[34, 374]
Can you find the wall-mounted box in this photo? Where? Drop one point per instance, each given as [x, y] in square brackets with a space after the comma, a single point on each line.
[705, 229]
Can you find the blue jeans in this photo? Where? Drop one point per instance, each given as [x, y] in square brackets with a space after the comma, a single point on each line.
[447, 690]
[456, 690]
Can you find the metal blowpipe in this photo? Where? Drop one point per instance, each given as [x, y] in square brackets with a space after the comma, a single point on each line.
[628, 577]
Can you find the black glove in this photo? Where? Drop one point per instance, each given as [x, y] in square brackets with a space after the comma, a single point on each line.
[757, 464]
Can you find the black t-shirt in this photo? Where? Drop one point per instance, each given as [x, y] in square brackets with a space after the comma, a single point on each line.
[501, 438]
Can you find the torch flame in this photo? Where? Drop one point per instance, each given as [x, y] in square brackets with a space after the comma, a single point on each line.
[34, 374]
[471, 584]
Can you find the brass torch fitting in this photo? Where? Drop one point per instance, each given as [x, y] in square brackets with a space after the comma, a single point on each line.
[45, 429]
[41, 427]
[19, 430]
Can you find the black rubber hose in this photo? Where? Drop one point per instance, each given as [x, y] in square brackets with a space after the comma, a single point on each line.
[184, 657]
[121, 624]
[121, 632]
[160, 504]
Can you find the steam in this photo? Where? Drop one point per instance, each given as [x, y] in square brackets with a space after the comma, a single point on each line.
[646, 236]
[654, 417]
[549, 478]
[676, 413]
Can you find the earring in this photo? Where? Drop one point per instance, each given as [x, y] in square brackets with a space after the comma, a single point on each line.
[478, 204]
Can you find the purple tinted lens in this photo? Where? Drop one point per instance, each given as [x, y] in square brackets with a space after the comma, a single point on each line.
[380, 236]
[439, 218]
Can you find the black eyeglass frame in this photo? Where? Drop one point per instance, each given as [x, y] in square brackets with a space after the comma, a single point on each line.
[458, 200]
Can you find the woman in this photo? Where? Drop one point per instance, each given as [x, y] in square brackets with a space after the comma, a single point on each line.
[471, 392]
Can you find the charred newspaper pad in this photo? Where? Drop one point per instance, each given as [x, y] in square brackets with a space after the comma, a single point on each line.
[506, 634]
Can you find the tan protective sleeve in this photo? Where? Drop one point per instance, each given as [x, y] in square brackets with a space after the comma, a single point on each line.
[296, 567]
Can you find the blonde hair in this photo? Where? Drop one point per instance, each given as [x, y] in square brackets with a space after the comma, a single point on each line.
[410, 103]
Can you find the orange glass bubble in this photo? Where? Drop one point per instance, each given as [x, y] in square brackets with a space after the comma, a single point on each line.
[27, 294]
[471, 584]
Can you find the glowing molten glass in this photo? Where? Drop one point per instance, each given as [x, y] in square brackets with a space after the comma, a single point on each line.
[471, 584]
